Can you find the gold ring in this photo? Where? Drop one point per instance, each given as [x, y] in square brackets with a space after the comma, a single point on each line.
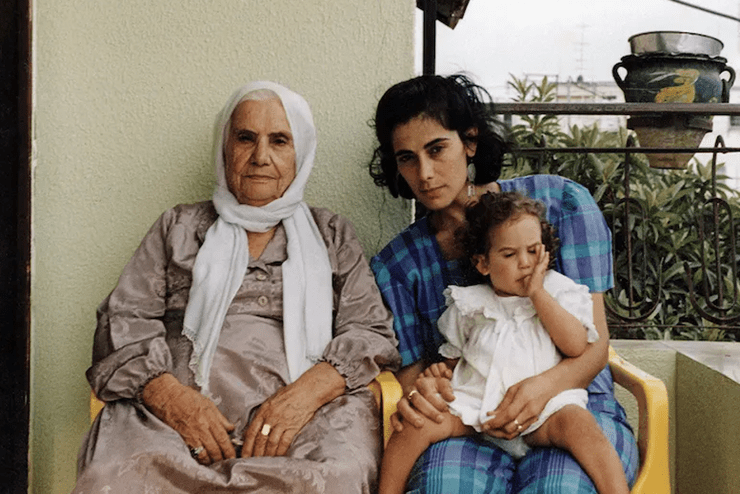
[411, 394]
[518, 425]
[265, 430]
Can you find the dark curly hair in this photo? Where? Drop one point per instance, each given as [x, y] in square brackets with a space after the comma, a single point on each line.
[458, 104]
[492, 211]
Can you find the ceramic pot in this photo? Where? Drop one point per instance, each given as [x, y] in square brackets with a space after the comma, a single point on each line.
[675, 43]
[678, 131]
[666, 78]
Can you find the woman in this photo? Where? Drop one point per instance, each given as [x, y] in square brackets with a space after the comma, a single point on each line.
[440, 144]
[222, 369]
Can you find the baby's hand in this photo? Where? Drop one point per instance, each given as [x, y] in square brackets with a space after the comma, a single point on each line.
[438, 369]
[537, 278]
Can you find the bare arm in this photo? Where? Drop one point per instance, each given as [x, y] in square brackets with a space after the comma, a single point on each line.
[578, 372]
[407, 375]
[566, 331]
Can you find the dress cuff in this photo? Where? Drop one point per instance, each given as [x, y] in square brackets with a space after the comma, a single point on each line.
[354, 373]
[140, 391]
[449, 351]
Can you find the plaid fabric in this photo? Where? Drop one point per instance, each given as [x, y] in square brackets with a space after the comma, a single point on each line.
[473, 466]
[585, 253]
[412, 275]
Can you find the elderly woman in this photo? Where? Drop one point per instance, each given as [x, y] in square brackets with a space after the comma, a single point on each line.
[235, 351]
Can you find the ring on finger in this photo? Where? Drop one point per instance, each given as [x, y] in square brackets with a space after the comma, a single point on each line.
[411, 394]
[518, 425]
[194, 452]
[265, 430]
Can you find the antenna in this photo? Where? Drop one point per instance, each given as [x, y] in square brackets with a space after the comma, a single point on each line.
[581, 45]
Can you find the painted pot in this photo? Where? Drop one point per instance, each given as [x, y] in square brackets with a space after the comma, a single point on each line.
[674, 79]
[678, 131]
[667, 78]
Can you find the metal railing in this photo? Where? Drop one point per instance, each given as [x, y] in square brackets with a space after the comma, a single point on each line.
[718, 310]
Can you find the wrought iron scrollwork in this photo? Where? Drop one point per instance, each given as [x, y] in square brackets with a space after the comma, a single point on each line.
[637, 310]
[721, 310]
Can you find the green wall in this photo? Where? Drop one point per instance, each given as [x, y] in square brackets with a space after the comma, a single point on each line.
[703, 384]
[708, 415]
[125, 94]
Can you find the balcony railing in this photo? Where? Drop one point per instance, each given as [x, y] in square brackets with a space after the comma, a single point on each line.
[718, 310]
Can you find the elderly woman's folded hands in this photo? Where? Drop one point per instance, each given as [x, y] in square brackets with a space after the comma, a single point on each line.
[205, 429]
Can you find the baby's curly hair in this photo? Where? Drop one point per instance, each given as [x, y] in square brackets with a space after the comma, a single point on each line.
[494, 210]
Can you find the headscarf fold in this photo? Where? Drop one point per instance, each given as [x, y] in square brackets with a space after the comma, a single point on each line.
[222, 260]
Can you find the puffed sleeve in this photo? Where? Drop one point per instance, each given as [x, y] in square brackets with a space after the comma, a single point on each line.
[364, 342]
[465, 307]
[450, 325]
[129, 347]
[574, 298]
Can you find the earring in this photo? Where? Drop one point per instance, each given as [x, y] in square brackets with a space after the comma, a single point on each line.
[471, 177]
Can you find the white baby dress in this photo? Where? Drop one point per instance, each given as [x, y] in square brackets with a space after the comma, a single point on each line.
[500, 341]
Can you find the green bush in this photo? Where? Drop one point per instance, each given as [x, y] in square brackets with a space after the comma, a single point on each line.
[666, 211]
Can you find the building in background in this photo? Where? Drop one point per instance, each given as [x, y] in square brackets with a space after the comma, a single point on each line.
[577, 90]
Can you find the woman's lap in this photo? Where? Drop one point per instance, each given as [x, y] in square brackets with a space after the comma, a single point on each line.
[463, 464]
[472, 465]
[551, 470]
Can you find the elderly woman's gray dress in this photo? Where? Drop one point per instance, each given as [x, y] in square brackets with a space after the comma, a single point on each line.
[139, 337]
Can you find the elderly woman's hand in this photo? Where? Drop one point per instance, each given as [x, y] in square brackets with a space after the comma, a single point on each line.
[284, 414]
[196, 418]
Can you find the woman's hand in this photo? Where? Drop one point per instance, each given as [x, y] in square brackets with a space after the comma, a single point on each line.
[426, 399]
[196, 418]
[284, 414]
[522, 405]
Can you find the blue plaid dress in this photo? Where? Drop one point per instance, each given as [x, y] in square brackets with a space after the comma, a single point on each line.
[412, 274]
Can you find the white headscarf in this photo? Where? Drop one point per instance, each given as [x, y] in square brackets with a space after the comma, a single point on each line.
[222, 260]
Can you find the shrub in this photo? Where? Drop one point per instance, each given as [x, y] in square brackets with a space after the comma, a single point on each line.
[667, 209]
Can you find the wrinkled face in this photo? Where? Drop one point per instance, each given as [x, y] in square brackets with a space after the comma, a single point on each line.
[512, 256]
[259, 155]
[433, 161]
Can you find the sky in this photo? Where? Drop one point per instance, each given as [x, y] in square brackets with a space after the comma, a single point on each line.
[566, 39]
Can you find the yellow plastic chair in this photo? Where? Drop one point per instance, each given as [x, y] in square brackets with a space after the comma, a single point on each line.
[652, 436]
[652, 402]
[652, 432]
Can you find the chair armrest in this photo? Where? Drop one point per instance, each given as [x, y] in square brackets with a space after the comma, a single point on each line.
[95, 406]
[387, 391]
[652, 439]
